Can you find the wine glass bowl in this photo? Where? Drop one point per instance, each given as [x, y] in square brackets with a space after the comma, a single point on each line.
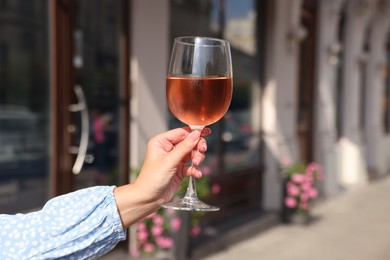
[199, 101]
[198, 91]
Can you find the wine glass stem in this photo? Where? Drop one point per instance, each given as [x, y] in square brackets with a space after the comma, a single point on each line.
[191, 189]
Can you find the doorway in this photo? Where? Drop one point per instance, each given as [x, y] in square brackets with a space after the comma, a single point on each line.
[306, 82]
[90, 98]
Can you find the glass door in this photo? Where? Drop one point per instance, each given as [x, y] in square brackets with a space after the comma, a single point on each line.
[96, 63]
[234, 156]
[93, 61]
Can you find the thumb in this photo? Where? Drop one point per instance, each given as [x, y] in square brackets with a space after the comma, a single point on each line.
[185, 147]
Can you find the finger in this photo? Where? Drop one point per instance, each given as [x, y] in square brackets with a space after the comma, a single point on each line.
[202, 145]
[185, 147]
[176, 135]
[187, 158]
[198, 158]
[206, 131]
[200, 148]
[188, 171]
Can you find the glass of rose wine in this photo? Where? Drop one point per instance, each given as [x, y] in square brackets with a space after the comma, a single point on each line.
[198, 91]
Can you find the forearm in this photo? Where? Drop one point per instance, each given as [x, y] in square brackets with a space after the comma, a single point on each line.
[83, 224]
[131, 205]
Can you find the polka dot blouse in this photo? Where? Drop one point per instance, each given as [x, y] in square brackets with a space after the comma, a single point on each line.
[80, 225]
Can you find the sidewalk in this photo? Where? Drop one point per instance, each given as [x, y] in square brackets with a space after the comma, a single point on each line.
[356, 225]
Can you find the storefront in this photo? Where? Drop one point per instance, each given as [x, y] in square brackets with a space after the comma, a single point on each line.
[234, 157]
[63, 99]
[82, 90]
[72, 107]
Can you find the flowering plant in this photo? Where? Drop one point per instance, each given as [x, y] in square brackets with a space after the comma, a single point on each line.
[154, 233]
[300, 184]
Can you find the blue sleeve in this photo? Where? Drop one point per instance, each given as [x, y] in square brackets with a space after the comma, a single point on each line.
[80, 225]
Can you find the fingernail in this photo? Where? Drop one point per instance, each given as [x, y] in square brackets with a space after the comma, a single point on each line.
[195, 162]
[206, 131]
[194, 136]
[204, 146]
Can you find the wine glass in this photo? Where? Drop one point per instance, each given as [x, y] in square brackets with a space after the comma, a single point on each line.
[198, 90]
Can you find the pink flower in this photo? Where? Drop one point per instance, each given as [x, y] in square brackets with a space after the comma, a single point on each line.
[313, 193]
[309, 179]
[160, 241]
[157, 230]
[158, 220]
[142, 235]
[304, 196]
[290, 202]
[149, 248]
[216, 188]
[292, 190]
[297, 178]
[306, 186]
[195, 230]
[141, 226]
[168, 242]
[175, 224]
[304, 205]
[164, 242]
[206, 170]
[312, 167]
[315, 168]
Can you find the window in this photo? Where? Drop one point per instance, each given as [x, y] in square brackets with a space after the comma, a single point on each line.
[233, 157]
[3, 4]
[3, 53]
[27, 8]
[24, 106]
[27, 41]
[241, 135]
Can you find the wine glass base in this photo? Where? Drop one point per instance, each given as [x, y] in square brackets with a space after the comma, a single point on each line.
[190, 204]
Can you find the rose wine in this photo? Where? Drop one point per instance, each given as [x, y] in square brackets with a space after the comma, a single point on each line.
[199, 101]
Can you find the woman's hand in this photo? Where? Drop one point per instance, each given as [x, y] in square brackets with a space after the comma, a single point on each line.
[163, 171]
[164, 168]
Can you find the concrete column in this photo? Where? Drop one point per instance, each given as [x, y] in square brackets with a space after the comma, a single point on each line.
[149, 60]
[375, 88]
[351, 164]
[279, 96]
[327, 55]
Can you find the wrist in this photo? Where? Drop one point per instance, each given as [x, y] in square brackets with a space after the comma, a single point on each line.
[131, 205]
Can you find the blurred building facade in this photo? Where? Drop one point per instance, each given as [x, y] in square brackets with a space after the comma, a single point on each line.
[311, 82]
[337, 98]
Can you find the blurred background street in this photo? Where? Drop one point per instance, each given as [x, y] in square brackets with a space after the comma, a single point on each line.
[353, 226]
[82, 91]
